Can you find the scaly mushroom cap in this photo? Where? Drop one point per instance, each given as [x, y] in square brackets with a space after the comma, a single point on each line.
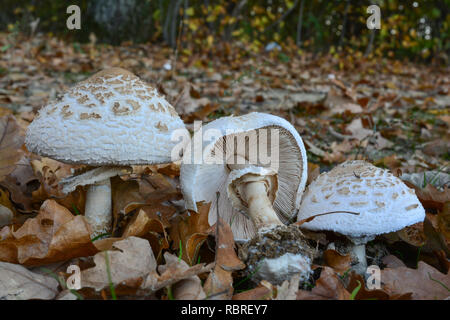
[384, 203]
[201, 181]
[111, 118]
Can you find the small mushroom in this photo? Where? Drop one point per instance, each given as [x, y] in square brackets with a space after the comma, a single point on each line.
[257, 163]
[384, 203]
[111, 120]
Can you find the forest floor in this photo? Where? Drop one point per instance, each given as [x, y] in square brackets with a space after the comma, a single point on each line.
[394, 114]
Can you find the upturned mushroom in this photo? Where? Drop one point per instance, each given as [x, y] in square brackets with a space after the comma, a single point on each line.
[384, 203]
[111, 120]
[257, 163]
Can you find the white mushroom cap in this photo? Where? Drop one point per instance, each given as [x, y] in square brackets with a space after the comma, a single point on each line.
[384, 203]
[112, 118]
[201, 181]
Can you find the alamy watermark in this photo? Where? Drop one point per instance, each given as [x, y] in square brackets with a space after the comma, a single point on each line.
[259, 147]
[74, 20]
[374, 20]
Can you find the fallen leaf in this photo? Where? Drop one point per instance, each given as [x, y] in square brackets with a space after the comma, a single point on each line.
[313, 172]
[21, 182]
[220, 281]
[413, 234]
[189, 100]
[18, 283]
[374, 294]
[149, 224]
[288, 289]
[430, 196]
[328, 287]
[361, 133]
[425, 282]
[130, 258]
[191, 229]
[340, 263]
[127, 196]
[53, 235]
[173, 271]
[11, 141]
[7, 210]
[259, 293]
[392, 261]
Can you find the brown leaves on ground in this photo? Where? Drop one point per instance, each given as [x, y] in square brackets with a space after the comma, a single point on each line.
[340, 263]
[431, 197]
[150, 223]
[219, 284]
[172, 271]
[363, 293]
[50, 172]
[129, 261]
[191, 231]
[53, 235]
[328, 287]
[11, 141]
[18, 283]
[131, 265]
[131, 194]
[425, 282]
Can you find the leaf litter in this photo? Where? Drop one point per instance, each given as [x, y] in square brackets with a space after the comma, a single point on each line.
[159, 250]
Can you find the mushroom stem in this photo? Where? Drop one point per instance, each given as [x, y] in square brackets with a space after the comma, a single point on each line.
[359, 250]
[99, 207]
[259, 204]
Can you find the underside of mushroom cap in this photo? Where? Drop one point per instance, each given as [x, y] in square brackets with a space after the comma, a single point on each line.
[201, 181]
[251, 173]
[384, 203]
[111, 118]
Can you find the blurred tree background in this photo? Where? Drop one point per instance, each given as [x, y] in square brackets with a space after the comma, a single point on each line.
[418, 30]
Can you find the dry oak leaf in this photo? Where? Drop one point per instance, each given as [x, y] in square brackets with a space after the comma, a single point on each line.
[53, 235]
[150, 223]
[340, 263]
[128, 259]
[7, 210]
[20, 183]
[219, 283]
[259, 293]
[288, 289]
[50, 172]
[172, 272]
[328, 287]
[18, 283]
[129, 195]
[191, 229]
[430, 196]
[189, 100]
[189, 288]
[425, 282]
[374, 294]
[11, 141]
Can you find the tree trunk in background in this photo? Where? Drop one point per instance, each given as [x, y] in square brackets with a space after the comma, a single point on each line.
[299, 24]
[167, 18]
[370, 44]
[174, 25]
[344, 24]
[120, 20]
[236, 11]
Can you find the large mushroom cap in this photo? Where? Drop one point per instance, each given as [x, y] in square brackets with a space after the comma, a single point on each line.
[111, 118]
[201, 181]
[384, 203]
